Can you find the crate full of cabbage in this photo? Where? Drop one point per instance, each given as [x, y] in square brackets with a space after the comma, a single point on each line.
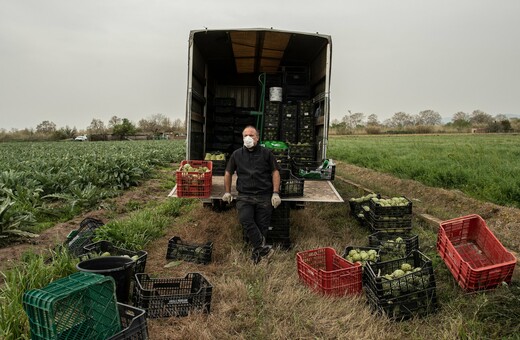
[402, 288]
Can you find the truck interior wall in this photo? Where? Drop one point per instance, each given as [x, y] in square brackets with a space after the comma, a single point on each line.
[213, 77]
[198, 103]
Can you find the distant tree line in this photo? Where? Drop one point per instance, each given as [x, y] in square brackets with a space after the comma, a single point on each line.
[426, 121]
[154, 126]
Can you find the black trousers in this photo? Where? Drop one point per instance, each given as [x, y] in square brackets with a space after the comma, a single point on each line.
[254, 214]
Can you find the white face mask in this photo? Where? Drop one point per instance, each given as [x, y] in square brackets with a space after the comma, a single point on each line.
[249, 142]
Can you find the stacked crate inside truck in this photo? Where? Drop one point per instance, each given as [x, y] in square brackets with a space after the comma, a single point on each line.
[222, 137]
[303, 150]
[288, 122]
[271, 130]
[243, 118]
[296, 83]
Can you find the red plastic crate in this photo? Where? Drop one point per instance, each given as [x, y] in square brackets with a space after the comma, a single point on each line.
[193, 184]
[474, 256]
[324, 271]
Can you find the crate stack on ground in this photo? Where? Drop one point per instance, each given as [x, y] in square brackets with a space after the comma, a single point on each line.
[279, 233]
[79, 306]
[393, 245]
[306, 123]
[359, 206]
[389, 214]
[402, 288]
[167, 297]
[472, 253]
[288, 122]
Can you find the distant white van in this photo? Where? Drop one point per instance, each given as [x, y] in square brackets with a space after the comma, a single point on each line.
[81, 138]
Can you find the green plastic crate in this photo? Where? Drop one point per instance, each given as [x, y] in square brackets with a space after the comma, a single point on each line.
[79, 306]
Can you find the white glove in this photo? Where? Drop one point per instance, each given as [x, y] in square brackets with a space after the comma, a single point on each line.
[276, 200]
[227, 197]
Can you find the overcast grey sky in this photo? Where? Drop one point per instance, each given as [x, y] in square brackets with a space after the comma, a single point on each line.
[69, 61]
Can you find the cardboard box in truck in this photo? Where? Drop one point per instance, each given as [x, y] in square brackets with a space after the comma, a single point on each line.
[277, 81]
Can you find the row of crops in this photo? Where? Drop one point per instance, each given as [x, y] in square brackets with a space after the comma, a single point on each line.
[45, 181]
[483, 166]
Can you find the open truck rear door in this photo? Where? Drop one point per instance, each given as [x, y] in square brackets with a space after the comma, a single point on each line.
[276, 80]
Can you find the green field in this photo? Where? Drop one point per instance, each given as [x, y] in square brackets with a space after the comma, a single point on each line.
[486, 166]
[46, 181]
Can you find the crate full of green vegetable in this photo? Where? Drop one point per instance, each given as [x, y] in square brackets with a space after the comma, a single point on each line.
[180, 250]
[394, 245]
[402, 287]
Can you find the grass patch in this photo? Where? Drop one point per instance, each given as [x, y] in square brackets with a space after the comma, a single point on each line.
[484, 166]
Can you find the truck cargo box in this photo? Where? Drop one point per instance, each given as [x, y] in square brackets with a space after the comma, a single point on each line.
[275, 80]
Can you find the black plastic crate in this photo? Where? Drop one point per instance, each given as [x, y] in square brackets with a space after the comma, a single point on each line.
[304, 150]
[389, 223]
[306, 137]
[103, 246]
[229, 110]
[271, 133]
[380, 210]
[167, 297]
[297, 92]
[223, 119]
[222, 138]
[305, 108]
[271, 121]
[356, 208]
[280, 221]
[198, 253]
[82, 236]
[224, 129]
[314, 170]
[283, 242]
[290, 185]
[222, 101]
[283, 212]
[219, 167]
[243, 120]
[133, 322]
[272, 108]
[295, 78]
[420, 277]
[288, 136]
[416, 304]
[390, 245]
[413, 291]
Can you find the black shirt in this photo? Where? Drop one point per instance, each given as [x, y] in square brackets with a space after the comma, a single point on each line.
[254, 170]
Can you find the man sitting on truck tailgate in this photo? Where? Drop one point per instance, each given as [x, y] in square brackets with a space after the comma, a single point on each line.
[258, 182]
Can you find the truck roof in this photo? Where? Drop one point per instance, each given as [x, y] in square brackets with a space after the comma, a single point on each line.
[253, 50]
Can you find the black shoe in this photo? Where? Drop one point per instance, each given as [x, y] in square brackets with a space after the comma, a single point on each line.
[262, 253]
